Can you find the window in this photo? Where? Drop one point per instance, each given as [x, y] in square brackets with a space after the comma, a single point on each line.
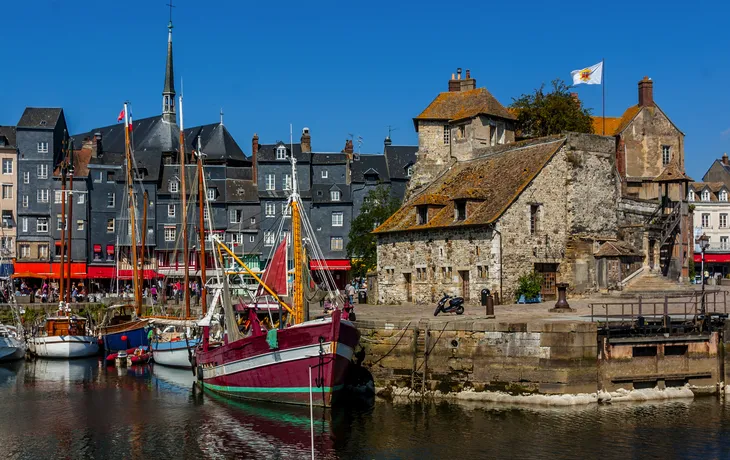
[723, 242]
[253, 220]
[334, 195]
[170, 210]
[174, 186]
[666, 154]
[270, 210]
[336, 243]
[25, 224]
[7, 166]
[97, 178]
[705, 195]
[205, 213]
[43, 251]
[482, 272]
[111, 199]
[42, 196]
[422, 217]
[24, 250]
[460, 132]
[447, 135]
[534, 218]
[285, 210]
[270, 182]
[269, 238]
[460, 210]
[691, 195]
[446, 274]
[705, 220]
[82, 198]
[25, 201]
[236, 215]
[285, 236]
[26, 177]
[80, 225]
[41, 225]
[325, 174]
[110, 253]
[287, 181]
[97, 253]
[110, 225]
[409, 171]
[281, 153]
[723, 195]
[42, 171]
[723, 220]
[110, 176]
[420, 274]
[211, 194]
[492, 133]
[500, 133]
[61, 224]
[169, 234]
[7, 219]
[7, 191]
[251, 239]
[6, 242]
[43, 147]
[337, 218]
[57, 196]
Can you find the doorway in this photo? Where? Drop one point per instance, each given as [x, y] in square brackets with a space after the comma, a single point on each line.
[464, 275]
[651, 254]
[409, 287]
[549, 274]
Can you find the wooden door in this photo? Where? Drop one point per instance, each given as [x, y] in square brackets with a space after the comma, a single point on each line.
[464, 275]
[549, 274]
[409, 287]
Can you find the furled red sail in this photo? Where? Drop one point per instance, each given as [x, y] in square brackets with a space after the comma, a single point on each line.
[275, 274]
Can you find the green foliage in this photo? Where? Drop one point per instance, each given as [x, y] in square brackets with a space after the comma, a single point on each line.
[529, 285]
[691, 268]
[377, 207]
[543, 114]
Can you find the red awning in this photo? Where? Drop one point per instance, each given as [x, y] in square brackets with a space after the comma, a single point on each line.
[712, 258]
[127, 274]
[97, 248]
[100, 272]
[48, 270]
[110, 249]
[331, 265]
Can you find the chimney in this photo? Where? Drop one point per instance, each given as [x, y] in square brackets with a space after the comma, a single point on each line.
[725, 160]
[468, 83]
[96, 149]
[454, 84]
[457, 84]
[388, 142]
[254, 156]
[576, 99]
[646, 93]
[306, 141]
[349, 149]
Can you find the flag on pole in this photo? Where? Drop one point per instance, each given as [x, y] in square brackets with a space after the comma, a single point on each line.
[130, 120]
[126, 115]
[121, 115]
[592, 75]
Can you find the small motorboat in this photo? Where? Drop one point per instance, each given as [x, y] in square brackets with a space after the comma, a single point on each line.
[141, 355]
[112, 357]
[12, 346]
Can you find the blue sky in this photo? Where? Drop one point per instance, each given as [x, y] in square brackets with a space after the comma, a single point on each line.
[346, 67]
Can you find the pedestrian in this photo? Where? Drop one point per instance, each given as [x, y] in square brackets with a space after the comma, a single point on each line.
[351, 293]
[153, 292]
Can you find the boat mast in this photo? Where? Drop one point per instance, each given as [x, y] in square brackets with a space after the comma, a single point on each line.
[69, 221]
[62, 271]
[201, 228]
[186, 254]
[142, 254]
[298, 295]
[133, 237]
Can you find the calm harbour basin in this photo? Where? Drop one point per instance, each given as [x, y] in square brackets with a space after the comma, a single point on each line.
[83, 409]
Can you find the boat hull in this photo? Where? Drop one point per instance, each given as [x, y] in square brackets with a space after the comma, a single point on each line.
[64, 346]
[11, 349]
[135, 333]
[249, 369]
[174, 354]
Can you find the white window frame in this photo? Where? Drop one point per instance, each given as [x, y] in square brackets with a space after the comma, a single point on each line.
[42, 147]
[170, 234]
[82, 198]
[112, 227]
[666, 154]
[25, 201]
[270, 208]
[335, 239]
[80, 225]
[285, 210]
[691, 195]
[26, 177]
[42, 195]
[325, 174]
[705, 195]
[234, 217]
[8, 166]
[170, 210]
[287, 181]
[723, 220]
[211, 194]
[270, 181]
[447, 135]
[111, 197]
[338, 218]
[724, 242]
[281, 153]
[723, 195]
[706, 220]
[269, 239]
[409, 171]
[253, 220]
[174, 186]
[25, 224]
[41, 225]
[9, 189]
[57, 196]
[205, 213]
[43, 251]
[42, 171]
[335, 195]
[24, 250]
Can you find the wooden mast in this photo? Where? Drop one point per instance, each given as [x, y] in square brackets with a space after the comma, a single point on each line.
[132, 210]
[298, 270]
[62, 271]
[184, 211]
[201, 228]
[69, 221]
[145, 204]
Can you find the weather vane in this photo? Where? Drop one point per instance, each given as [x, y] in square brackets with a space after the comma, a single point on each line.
[171, 7]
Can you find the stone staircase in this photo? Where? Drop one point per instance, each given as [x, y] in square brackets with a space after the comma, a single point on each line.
[653, 283]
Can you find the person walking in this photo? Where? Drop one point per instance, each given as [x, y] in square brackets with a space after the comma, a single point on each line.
[351, 293]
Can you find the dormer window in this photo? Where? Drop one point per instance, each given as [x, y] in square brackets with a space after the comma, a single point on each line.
[705, 195]
[281, 153]
[212, 194]
[334, 195]
[409, 171]
[691, 195]
[174, 186]
[460, 210]
[422, 215]
[723, 195]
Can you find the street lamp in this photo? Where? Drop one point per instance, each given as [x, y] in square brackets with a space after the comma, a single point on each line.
[704, 242]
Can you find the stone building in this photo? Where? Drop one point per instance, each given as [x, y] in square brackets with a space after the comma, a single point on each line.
[8, 203]
[543, 205]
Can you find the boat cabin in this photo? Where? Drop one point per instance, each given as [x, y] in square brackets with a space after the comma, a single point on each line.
[65, 325]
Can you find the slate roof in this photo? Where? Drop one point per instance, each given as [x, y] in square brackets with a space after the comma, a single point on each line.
[8, 132]
[459, 105]
[329, 159]
[241, 191]
[233, 172]
[321, 193]
[216, 142]
[366, 163]
[500, 176]
[714, 187]
[398, 158]
[35, 117]
[617, 249]
[267, 152]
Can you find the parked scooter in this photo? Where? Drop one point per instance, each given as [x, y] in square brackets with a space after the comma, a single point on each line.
[454, 305]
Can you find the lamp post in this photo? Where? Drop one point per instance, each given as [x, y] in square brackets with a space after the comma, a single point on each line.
[704, 242]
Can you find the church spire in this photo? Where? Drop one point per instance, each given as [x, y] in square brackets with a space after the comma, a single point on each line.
[168, 92]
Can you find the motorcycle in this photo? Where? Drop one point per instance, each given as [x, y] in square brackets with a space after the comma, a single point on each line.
[455, 305]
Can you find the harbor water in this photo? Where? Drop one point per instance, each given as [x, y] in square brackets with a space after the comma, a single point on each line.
[83, 409]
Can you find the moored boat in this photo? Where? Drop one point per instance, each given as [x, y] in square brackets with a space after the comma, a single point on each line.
[64, 337]
[12, 346]
[174, 353]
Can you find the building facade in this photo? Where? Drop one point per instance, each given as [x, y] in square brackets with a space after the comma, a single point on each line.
[8, 201]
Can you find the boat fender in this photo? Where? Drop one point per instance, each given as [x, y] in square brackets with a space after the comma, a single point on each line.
[272, 339]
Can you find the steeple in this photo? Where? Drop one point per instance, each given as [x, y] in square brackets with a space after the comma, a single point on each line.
[168, 92]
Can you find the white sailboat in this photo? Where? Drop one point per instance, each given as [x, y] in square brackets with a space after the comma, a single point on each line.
[12, 346]
[64, 337]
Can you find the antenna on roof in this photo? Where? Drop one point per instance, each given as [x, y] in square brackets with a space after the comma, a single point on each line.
[391, 128]
[359, 144]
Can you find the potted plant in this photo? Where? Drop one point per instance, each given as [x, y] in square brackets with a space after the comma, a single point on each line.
[529, 287]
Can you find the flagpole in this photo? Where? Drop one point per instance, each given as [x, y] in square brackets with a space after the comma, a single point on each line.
[603, 89]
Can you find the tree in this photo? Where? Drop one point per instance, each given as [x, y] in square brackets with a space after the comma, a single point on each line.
[377, 206]
[543, 114]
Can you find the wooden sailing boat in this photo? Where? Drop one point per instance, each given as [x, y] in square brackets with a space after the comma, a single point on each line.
[279, 365]
[124, 330]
